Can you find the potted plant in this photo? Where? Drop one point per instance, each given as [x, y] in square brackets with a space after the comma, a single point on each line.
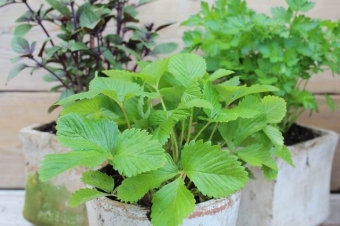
[168, 137]
[283, 50]
[93, 36]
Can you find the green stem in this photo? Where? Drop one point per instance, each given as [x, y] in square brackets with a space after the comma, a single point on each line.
[190, 125]
[213, 132]
[202, 129]
[125, 115]
[182, 134]
[174, 146]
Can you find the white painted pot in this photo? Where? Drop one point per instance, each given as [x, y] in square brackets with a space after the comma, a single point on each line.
[300, 195]
[215, 212]
[46, 203]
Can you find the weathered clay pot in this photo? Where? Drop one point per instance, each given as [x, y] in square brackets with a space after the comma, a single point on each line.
[300, 195]
[46, 203]
[216, 212]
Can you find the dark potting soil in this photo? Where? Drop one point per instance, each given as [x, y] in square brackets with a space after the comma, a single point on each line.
[297, 134]
[48, 127]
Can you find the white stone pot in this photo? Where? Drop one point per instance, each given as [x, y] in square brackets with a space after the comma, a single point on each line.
[46, 203]
[300, 195]
[215, 212]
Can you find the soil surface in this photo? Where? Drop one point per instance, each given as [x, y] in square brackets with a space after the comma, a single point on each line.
[48, 127]
[297, 134]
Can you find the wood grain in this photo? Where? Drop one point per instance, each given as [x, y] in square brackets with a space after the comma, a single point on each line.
[18, 110]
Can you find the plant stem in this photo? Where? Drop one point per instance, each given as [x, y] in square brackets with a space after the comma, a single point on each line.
[214, 130]
[52, 72]
[182, 134]
[125, 115]
[189, 126]
[202, 129]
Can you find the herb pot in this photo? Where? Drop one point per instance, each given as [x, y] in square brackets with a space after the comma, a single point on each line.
[46, 203]
[104, 211]
[300, 195]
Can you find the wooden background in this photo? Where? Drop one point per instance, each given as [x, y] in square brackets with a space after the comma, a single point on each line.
[25, 99]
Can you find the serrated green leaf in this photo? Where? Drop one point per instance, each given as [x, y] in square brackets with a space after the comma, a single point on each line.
[254, 155]
[284, 154]
[84, 195]
[163, 131]
[172, 204]
[99, 180]
[79, 133]
[136, 152]
[186, 67]
[20, 45]
[219, 74]
[22, 30]
[214, 172]
[210, 94]
[235, 132]
[134, 188]
[269, 173]
[78, 96]
[274, 107]
[15, 71]
[155, 70]
[232, 93]
[54, 164]
[116, 89]
[274, 135]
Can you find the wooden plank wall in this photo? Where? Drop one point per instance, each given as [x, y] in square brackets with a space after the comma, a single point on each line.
[24, 100]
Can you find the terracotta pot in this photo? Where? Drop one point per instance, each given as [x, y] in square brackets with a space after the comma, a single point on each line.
[216, 212]
[300, 195]
[46, 203]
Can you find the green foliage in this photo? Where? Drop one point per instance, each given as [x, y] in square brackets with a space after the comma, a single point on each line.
[162, 129]
[283, 50]
[93, 36]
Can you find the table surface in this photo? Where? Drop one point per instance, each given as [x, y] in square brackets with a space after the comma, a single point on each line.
[11, 204]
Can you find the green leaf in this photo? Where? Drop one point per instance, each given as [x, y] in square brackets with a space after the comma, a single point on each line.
[163, 131]
[22, 30]
[136, 152]
[60, 6]
[274, 135]
[116, 89]
[78, 96]
[15, 71]
[164, 48]
[79, 133]
[54, 164]
[172, 204]
[20, 45]
[235, 132]
[134, 188]
[96, 108]
[254, 155]
[232, 93]
[98, 180]
[89, 19]
[220, 73]
[284, 154]
[214, 172]
[84, 195]
[269, 173]
[186, 67]
[155, 69]
[78, 46]
[274, 107]
[330, 102]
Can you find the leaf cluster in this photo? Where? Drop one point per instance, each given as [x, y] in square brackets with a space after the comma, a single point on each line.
[93, 36]
[283, 50]
[172, 131]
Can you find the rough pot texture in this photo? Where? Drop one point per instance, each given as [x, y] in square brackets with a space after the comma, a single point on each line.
[217, 212]
[46, 203]
[300, 195]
